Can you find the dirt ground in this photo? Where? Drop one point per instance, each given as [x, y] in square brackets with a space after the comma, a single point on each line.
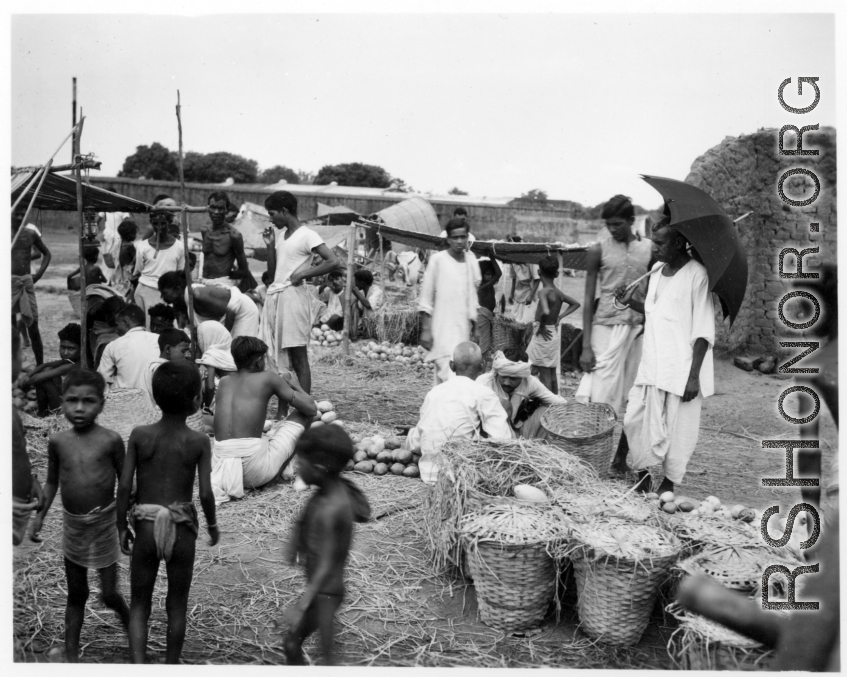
[398, 611]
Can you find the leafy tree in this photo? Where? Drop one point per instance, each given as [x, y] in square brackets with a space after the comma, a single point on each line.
[536, 195]
[152, 162]
[400, 185]
[277, 174]
[456, 191]
[353, 174]
[218, 167]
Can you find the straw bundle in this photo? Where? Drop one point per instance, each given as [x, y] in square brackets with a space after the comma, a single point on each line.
[619, 567]
[735, 567]
[395, 324]
[509, 558]
[476, 473]
[700, 531]
[702, 644]
[606, 500]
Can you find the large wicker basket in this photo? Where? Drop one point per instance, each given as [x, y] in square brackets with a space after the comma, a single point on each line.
[508, 333]
[514, 583]
[125, 409]
[584, 430]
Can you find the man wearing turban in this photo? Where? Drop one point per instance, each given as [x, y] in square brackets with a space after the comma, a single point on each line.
[522, 395]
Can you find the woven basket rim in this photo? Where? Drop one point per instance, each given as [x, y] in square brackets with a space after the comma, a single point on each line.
[566, 408]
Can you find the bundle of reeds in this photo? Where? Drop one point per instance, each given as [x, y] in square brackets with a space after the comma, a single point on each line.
[395, 324]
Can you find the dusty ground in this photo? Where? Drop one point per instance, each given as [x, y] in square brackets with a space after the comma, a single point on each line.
[398, 611]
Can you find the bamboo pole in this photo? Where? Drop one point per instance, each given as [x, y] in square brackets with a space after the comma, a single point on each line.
[83, 304]
[382, 283]
[32, 202]
[348, 293]
[73, 117]
[184, 219]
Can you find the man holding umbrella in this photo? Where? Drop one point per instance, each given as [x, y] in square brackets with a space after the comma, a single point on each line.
[676, 372]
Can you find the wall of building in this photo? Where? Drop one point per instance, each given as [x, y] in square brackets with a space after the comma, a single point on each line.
[741, 173]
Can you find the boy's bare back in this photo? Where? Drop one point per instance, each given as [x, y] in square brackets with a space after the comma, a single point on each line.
[166, 457]
[85, 466]
[555, 299]
[241, 403]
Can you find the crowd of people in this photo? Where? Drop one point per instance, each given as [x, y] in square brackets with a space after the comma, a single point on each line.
[647, 353]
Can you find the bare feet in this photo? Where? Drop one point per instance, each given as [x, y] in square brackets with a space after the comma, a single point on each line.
[666, 485]
[644, 483]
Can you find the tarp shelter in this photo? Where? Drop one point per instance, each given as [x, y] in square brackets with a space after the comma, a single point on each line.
[253, 219]
[416, 225]
[59, 193]
[336, 216]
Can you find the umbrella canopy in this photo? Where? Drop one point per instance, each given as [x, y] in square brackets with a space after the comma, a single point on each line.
[712, 234]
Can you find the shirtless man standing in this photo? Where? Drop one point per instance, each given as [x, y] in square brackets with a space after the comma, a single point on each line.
[23, 282]
[241, 457]
[223, 248]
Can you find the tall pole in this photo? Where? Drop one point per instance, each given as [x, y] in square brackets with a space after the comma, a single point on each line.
[382, 283]
[83, 305]
[184, 219]
[348, 294]
[73, 117]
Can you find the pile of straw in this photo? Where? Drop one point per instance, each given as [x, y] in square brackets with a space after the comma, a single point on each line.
[477, 473]
[701, 531]
[514, 524]
[395, 324]
[603, 500]
[620, 539]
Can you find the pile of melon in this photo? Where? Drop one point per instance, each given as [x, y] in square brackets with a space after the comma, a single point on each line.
[324, 336]
[400, 353]
[711, 506]
[326, 415]
[382, 456]
[24, 400]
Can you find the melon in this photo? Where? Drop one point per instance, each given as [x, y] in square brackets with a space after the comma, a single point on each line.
[686, 506]
[329, 417]
[747, 515]
[669, 506]
[325, 327]
[338, 422]
[380, 469]
[411, 471]
[350, 464]
[652, 496]
[715, 501]
[360, 456]
[373, 451]
[384, 457]
[324, 406]
[393, 443]
[316, 424]
[736, 510]
[526, 492]
[397, 469]
[403, 456]
[666, 497]
[364, 466]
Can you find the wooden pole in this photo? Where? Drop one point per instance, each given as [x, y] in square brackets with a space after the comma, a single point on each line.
[184, 219]
[348, 294]
[83, 304]
[382, 283]
[32, 201]
[73, 117]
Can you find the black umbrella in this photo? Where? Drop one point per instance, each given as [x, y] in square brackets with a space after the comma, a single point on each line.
[713, 237]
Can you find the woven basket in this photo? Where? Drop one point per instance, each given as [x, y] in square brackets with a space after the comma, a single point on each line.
[514, 584]
[125, 409]
[584, 430]
[510, 334]
[702, 644]
[734, 567]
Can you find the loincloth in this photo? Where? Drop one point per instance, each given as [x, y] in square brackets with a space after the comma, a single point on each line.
[165, 520]
[91, 540]
[23, 298]
[545, 352]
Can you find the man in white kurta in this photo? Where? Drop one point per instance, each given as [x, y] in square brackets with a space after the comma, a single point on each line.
[125, 360]
[519, 391]
[460, 408]
[662, 421]
[448, 300]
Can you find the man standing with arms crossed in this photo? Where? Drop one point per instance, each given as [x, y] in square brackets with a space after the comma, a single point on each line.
[611, 338]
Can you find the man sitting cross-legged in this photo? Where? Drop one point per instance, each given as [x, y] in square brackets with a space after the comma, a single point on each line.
[241, 457]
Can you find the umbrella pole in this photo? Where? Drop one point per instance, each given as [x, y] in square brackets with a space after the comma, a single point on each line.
[348, 294]
[184, 220]
[83, 301]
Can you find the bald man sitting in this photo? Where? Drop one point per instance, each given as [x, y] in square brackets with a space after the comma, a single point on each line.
[524, 397]
[458, 408]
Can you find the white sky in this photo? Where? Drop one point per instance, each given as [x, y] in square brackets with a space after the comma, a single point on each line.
[577, 105]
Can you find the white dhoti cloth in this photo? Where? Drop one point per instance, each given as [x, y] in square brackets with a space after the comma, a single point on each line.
[287, 320]
[545, 352]
[662, 429]
[252, 462]
[246, 321]
[617, 352]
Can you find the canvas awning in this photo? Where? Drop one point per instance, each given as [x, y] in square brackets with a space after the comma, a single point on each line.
[58, 193]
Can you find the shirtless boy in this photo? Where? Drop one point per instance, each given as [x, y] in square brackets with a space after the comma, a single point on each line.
[163, 458]
[23, 283]
[27, 494]
[544, 350]
[236, 311]
[243, 458]
[322, 537]
[85, 462]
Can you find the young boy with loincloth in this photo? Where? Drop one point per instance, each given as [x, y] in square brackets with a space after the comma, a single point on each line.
[27, 494]
[85, 462]
[544, 350]
[163, 459]
[321, 538]
[47, 377]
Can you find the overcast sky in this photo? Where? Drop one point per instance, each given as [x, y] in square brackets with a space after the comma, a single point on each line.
[577, 105]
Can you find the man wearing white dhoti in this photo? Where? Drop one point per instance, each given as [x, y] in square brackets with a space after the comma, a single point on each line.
[448, 301]
[241, 456]
[611, 339]
[676, 372]
[524, 293]
[460, 408]
[290, 309]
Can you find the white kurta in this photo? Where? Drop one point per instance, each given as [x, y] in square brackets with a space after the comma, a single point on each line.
[126, 359]
[457, 409]
[449, 296]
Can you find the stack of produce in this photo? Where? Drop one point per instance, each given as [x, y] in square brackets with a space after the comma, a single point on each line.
[324, 336]
[619, 566]
[710, 506]
[326, 415]
[400, 353]
[383, 455]
[24, 400]
[509, 556]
